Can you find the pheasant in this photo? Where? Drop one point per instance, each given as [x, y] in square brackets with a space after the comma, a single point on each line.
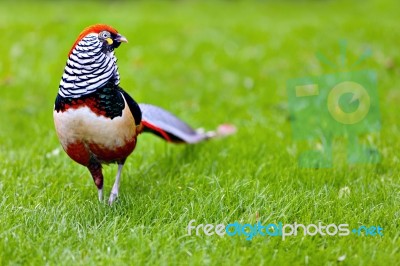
[96, 121]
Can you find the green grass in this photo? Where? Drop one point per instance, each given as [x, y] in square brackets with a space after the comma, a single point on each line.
[209, 63]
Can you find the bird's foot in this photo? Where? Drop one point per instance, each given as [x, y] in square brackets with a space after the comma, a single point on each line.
[113, 198]
[115, 188]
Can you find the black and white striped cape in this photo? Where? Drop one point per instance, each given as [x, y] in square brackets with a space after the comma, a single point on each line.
[88, 68]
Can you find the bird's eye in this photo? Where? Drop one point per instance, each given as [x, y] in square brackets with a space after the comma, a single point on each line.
[104, 34]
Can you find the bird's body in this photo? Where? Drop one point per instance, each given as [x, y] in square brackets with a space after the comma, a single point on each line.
[91, 127]
[96, 121]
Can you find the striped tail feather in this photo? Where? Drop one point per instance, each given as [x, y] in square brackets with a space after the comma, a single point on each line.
[167, 126]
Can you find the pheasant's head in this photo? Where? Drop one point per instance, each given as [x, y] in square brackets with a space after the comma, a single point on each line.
[107, 35]
[91, 62]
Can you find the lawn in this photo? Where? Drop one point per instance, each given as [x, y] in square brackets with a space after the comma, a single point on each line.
[209, 63]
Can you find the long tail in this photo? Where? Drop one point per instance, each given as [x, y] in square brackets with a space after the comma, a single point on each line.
[167, 126]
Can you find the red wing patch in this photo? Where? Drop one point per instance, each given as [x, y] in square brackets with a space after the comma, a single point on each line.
[157, 130]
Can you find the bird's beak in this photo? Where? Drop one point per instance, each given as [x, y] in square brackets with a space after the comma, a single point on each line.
[121, 38]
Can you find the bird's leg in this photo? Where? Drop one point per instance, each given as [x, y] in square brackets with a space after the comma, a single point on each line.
[97, 174]
[115, 188]
[100, 192]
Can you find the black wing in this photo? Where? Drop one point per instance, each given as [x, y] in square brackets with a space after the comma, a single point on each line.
[133, 106]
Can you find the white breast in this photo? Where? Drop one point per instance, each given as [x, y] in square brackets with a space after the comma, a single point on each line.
[85, 126]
